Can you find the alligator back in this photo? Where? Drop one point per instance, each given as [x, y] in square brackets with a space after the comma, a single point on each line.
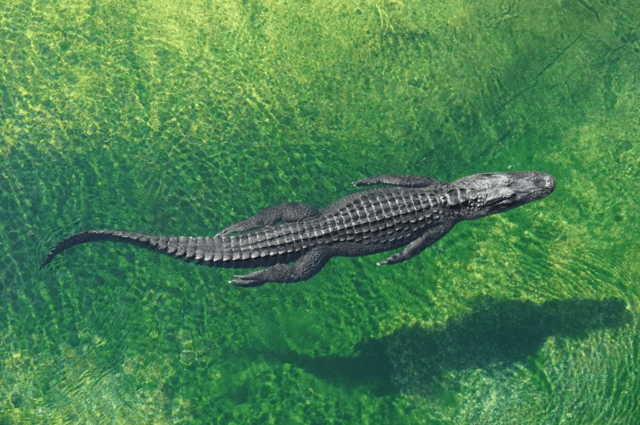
[366, 222]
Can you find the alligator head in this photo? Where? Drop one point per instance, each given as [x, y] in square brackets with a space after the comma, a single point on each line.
[498, 192]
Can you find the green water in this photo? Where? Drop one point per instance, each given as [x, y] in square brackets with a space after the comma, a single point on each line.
[184, 117]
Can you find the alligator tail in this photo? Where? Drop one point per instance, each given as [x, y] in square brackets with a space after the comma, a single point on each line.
[187, 248]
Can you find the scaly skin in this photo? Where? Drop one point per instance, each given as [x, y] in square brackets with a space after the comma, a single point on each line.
[409, 211]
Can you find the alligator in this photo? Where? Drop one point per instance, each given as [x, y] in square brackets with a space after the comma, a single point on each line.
[411, 211]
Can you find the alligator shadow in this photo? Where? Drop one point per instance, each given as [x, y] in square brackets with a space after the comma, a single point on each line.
[496, 335]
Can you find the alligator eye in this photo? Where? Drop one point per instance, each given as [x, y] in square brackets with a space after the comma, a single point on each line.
[499, 196]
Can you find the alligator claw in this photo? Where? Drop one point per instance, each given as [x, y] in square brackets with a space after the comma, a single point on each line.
[245, 280]
[387, 261]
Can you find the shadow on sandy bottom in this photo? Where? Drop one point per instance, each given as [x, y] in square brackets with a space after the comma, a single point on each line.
[496, 335]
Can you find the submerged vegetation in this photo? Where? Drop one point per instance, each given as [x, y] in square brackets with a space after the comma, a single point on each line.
[183, 118]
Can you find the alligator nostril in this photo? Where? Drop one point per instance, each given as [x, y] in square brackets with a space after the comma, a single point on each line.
[550, 182]
[545, 181]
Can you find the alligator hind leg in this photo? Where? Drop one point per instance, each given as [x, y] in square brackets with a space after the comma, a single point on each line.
[305, 268]
[287, 212]
[398, 180]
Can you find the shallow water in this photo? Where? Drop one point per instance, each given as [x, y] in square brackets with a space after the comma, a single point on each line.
[182, 120]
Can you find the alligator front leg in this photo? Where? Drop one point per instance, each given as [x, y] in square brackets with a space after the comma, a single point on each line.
[305, 268]
[417, 246]
[398, 180]
[287, 212]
